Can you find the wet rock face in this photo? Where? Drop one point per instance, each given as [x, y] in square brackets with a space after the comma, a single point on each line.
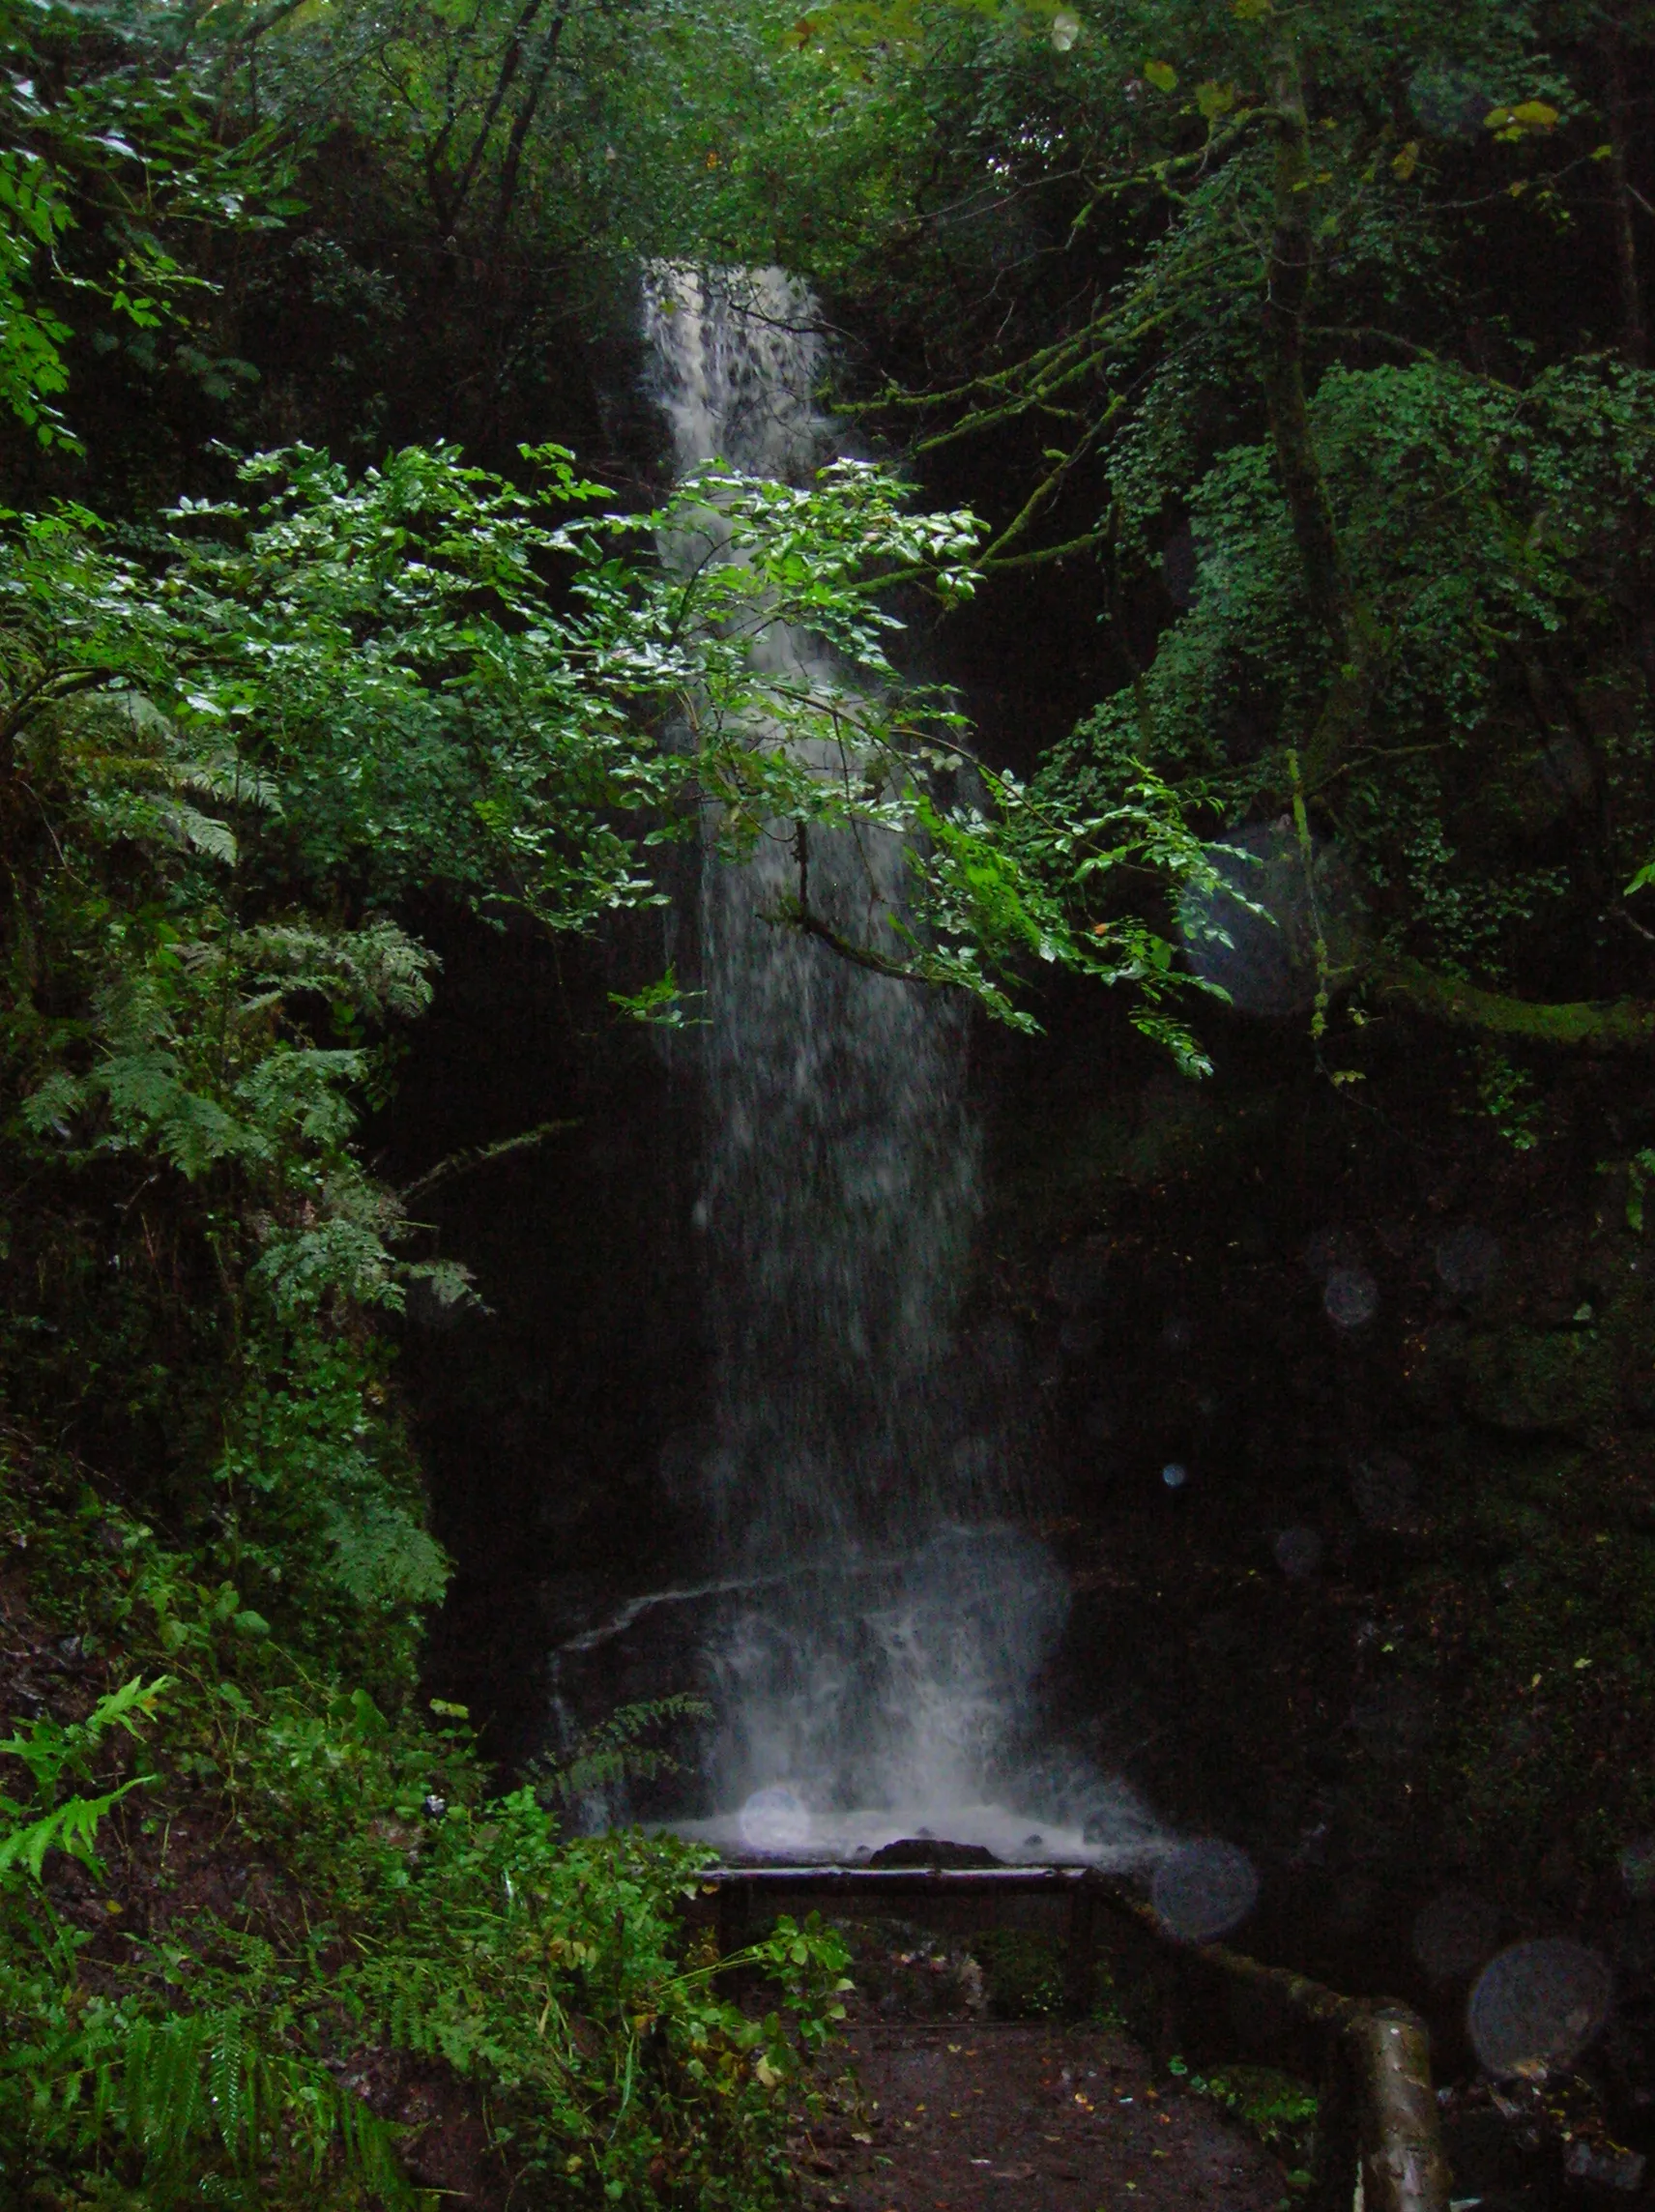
[1384, 1488]
[1454, 1933]
[1298, 1553]
[1431, 1371]
[1078, 1278]
[1468, 1262]
[1399, 1367]
[1257, 934]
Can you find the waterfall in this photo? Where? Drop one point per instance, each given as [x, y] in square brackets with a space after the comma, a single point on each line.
[884, 1617]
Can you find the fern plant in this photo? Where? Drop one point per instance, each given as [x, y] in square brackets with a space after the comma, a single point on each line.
[191, 2105]
[613, 1751]
[50, 1749]
[205, 2089]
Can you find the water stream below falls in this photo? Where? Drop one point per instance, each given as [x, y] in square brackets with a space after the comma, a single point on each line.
[869, 1615]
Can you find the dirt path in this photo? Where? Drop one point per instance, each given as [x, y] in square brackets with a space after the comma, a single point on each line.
[1038, 2117]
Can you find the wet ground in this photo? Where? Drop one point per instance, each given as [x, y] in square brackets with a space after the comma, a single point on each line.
[1036, 2115]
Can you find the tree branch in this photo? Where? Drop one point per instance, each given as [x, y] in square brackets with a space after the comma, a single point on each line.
[454, 197]
[523, 122]
[1586, 1024]
[791, 914]
[1281, 369]
[483, 1156]
[1634, 329]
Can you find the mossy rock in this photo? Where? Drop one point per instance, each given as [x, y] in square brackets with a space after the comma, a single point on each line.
[1063, 1156]
[1529, 1380]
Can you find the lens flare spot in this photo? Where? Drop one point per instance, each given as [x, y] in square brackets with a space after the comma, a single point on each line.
[1205, 1890]
[773, 1819]
[1352, 1297]
[1537, 2005]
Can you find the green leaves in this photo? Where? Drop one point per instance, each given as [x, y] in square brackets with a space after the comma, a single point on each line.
[33, 213]
[664, 1002]
[1473, 518]
[555, 1976]
[111, 141]
[71, 1827]
[50, 1749]
[1528, 118]
[414, 696]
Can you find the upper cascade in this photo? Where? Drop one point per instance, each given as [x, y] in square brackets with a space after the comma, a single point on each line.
[739, 357]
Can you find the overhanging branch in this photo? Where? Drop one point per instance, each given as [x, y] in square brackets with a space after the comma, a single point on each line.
[794, 913]
[1583, 1025]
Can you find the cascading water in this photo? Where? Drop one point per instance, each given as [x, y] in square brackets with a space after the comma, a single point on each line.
[872, 1621]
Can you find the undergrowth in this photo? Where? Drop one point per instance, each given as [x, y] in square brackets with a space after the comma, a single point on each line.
[1022, 1973]
[245, 1908]
[1277, 2109]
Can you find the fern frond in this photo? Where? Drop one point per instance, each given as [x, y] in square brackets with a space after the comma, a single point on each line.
[382, 1556]
[71, 1827]
[231, 2089]
[610, 1752]
[124, 1708]
[198, 2076]
[162, 2086]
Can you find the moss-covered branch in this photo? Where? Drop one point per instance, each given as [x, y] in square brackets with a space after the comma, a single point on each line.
[1584, 1025]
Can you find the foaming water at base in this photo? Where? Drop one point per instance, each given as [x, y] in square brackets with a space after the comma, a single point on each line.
[797, 1836]
[905, 1685]
[859, 1700]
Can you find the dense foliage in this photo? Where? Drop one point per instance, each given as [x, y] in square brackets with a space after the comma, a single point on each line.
[231, 752]
[1266, 317]
[385, 1909]
[1306, 348]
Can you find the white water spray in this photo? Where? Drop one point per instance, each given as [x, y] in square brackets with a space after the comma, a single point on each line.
[876, 1676]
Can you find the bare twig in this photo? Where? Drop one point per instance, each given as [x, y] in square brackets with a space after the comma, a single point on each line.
[483, 1155]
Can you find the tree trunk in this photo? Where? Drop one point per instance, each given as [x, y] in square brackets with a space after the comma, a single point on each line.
[1634, 330]
[1282, 360]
